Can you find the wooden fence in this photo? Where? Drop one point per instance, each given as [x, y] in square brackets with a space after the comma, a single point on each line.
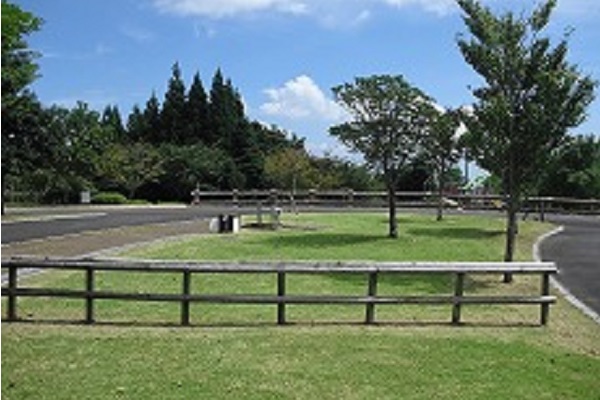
[187, 270]
[351, 198]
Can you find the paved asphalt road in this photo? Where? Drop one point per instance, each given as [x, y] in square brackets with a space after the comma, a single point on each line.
[576, 251]
[60, 221]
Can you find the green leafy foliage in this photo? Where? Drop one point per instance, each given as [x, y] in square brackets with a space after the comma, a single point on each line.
[109, 198]
[173, 121]
[531, 96]
[18, 66]
[162, 153]
[389, 117]
[573, 170]
[20, 109]
[442, 149]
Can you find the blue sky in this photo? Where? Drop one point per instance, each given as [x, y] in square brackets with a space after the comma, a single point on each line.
[283, 55]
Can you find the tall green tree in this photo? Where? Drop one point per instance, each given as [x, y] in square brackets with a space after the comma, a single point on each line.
[136, 124]
[389, 117]
[227, 115]
[130, 166]
[230, 131]
[441, 148]
[290, 169]
[19, 107]
[152, 121]
[574, 169]
[531, 96]
[197, 111]
[173, 115]
[185, 167]
[73, 142]
[111, 119]
[18, 60]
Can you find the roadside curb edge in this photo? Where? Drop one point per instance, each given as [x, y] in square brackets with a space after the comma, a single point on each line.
[562, 289]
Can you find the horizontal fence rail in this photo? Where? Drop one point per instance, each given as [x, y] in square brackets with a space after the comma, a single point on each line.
[280, 298]
[351, 198]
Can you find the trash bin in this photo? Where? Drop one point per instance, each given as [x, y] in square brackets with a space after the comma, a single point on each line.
[228, 223]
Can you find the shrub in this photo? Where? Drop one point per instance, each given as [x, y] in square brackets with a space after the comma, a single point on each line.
[109, 198]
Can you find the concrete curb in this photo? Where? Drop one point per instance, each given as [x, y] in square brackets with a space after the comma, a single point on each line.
[562, 289]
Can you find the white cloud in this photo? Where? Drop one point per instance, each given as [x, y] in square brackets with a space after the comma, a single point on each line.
[337, 13]
[138, 34]
[228, 8]
[326, 11]
[580, 9]
[301, 98]
[439, 7]
[363, 16]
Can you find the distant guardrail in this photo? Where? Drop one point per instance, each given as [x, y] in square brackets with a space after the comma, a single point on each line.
[351, 198]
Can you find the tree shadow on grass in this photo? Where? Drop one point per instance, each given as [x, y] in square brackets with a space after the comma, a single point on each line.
[324, 240]
[456, 233]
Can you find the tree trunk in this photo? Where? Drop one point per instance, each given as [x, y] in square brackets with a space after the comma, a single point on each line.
[393, 223]
[512, 207]
[440, 209]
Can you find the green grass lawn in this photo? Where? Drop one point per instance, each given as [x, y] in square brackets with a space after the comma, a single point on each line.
[237, 351]
[351, 237]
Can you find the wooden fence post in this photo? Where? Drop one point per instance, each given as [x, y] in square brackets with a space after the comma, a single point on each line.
[281, 293]
[371, 292]
[274, 197]
[259, 214]
[542, 211]
[350, 198]
[458, 292]
[185, 302]
[12, 297]
[312, 197]
[89, 295]
[545, 307]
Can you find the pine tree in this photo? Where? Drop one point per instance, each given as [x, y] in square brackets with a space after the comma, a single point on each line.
[196, 113]
[172, 117]
[152, 124]
[111, 119]
[217, 110]
[136, 125]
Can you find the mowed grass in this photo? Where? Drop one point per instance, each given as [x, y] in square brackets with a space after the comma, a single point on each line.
[355, 236]
[238, 352]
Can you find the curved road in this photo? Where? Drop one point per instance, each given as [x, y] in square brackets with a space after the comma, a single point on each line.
[576, 251]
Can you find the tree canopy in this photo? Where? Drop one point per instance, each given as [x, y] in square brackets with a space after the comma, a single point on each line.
[530, 98]
[389, 117]
[20, 108]
[573, 170]
[441, 146]
[18, 61]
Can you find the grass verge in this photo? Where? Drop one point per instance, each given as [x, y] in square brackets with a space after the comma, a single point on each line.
[328, 360]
